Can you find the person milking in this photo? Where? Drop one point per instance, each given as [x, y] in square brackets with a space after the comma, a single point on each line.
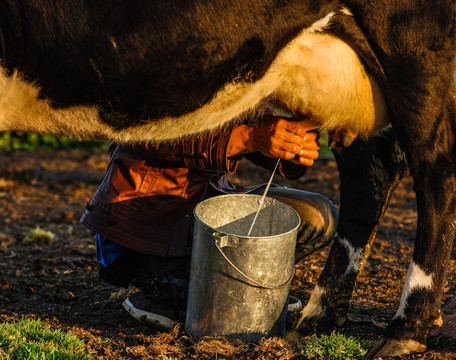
[142, 213]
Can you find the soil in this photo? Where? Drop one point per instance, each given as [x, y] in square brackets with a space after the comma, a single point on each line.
[59, 283]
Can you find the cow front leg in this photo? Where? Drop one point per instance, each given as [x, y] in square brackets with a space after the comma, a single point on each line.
[369, 171]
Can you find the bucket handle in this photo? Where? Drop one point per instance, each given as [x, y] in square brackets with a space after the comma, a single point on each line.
[221, 240]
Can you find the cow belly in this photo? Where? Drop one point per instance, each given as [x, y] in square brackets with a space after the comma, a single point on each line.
[316, 74]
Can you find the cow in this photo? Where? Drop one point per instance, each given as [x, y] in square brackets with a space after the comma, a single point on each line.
[155, 71]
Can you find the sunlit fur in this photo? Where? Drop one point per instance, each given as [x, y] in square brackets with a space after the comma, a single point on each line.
[21, 109]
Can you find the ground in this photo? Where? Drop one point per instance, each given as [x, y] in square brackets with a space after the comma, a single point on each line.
[58, 282]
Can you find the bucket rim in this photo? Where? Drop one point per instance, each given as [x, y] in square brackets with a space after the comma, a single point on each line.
[245, 236]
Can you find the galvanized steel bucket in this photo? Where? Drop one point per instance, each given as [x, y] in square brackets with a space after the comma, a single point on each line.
[239, 284]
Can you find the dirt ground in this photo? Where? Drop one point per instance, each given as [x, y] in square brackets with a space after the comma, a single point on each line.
[58, 282]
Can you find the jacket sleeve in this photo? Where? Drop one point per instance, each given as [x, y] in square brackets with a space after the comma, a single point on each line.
[205, 153]
[209, 153]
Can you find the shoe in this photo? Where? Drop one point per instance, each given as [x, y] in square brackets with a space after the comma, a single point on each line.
[294, 304]
[161, 304]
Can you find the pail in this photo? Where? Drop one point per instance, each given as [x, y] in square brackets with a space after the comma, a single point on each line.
[239, 284]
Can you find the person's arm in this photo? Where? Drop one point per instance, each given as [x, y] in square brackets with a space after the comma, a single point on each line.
[272, 137]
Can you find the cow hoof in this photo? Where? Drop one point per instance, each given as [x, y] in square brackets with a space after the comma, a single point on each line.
[307, 326]
[304, 327]
[392, 347]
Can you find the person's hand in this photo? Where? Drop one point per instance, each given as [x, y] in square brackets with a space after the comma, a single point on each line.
[277, 138]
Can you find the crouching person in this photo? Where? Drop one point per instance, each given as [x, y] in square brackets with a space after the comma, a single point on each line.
[142, 213]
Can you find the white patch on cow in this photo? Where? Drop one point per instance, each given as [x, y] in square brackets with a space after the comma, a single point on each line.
[416, 279]
[355, 256]
[316, 74]
[314, 307]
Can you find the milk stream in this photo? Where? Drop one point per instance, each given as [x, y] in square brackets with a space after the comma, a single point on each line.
[263, 197]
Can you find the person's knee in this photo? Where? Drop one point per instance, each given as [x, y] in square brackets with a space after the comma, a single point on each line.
[318, 228]
[318, 215]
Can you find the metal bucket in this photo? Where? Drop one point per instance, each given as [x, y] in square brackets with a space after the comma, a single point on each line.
[239, 284]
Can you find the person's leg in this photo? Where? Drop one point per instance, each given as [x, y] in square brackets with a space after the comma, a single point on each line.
[318, 215]
[118, 264]
[163, 301]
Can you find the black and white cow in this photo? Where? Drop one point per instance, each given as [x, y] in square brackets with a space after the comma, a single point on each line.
[134, 71]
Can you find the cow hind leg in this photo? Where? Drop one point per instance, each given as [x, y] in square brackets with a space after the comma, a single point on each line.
[369, 171]
[419, 308]
[433, 167]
